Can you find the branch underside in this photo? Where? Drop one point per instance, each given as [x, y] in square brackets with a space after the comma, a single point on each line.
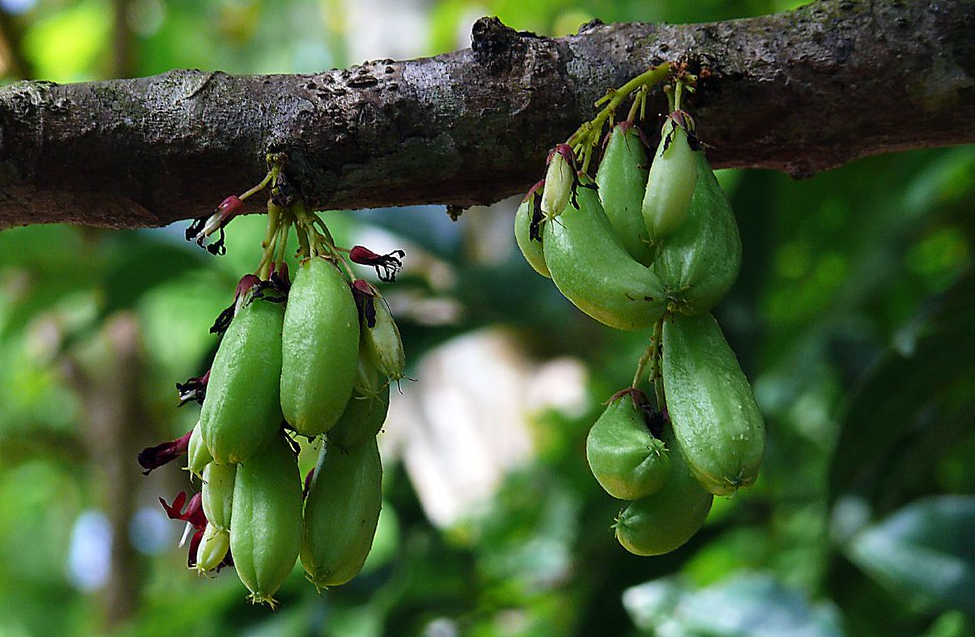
[800, 92]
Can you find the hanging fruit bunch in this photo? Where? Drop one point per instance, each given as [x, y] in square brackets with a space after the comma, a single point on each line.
[309, 360]
[652, 243]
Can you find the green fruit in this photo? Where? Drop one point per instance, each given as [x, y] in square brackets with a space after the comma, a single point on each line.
[383, 342]
[622, 180]
[241, 411]
[197, 454]
[699, 263]
[711, 405]
[369, 381]
[626, 459]
[671, 181]
[265, 529]
[218, 493]
[592, 269]
[560, 177]
[212, 549]
[341, 513]
[320, 345]
[530, 248]
[362, 419]
[662, 522]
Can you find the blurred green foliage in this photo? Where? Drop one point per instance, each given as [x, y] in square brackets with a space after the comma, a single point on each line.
[853, 317]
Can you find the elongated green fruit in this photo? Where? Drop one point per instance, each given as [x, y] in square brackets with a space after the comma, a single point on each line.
[241, 411]
[218, 493]
[622, 180]
[197, 454]
[212, 549]
[320, 345]
[384, 343]
[624, 456]
[712, 408]
[592, 269]
[265, 529]
[361, 421]
[699, 263]
[662, 522]
[341, 513]
[530, 248]
[670, 183]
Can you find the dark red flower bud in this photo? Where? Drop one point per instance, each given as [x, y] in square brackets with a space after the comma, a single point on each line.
[154, 457]
[387, 265]
[229, 208]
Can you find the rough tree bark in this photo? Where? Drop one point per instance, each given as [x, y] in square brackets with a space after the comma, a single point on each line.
[801, 92]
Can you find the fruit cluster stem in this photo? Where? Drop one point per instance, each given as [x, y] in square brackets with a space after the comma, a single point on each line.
[656, 377]
[589, 134]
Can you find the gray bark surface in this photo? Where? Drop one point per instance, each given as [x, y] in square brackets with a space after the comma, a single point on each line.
[800, 92]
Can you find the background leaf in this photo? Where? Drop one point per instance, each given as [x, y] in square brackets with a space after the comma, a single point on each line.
[924, 550]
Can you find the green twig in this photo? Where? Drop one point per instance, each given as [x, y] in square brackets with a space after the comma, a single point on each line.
[641, 365]
[588, 135]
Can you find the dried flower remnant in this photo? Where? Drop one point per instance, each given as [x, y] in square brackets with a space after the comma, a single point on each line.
[534, 196]
[247, 283]
[194, 389]
[365, 294]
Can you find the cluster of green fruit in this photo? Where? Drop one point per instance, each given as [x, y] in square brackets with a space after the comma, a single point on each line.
[310, 358]
[653, 247]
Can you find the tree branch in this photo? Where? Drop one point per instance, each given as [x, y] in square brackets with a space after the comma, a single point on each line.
[801, 91]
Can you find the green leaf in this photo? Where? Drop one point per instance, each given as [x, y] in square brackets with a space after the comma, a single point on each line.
[747, 605]
[924, 550]
[912, 409]
[66, 46]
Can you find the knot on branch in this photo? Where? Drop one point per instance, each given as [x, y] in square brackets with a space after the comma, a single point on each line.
[497, 46]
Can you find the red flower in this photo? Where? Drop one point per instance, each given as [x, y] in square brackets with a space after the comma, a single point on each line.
[387, 265]
[194, 517]
[154, 457]
[193, 513]
[203, 227]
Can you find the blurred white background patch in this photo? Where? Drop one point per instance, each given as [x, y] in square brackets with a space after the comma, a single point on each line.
[90, 552]
[465, 424]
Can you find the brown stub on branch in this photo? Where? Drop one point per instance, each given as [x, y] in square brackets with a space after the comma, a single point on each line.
[497, 46]
[800, 92]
